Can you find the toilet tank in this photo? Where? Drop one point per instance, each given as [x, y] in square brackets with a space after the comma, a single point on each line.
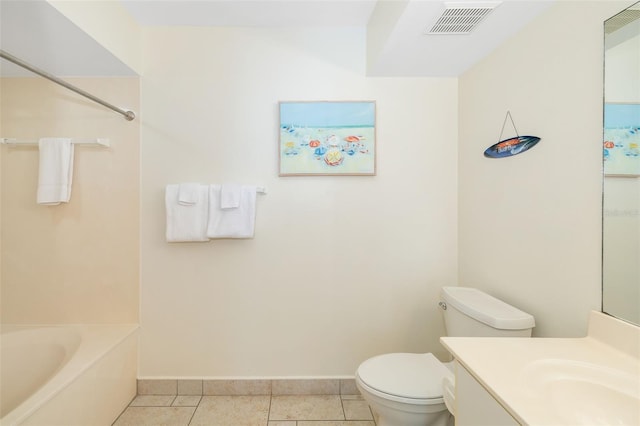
[469, 312]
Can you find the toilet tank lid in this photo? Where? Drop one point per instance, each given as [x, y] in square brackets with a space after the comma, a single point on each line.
[487, 309]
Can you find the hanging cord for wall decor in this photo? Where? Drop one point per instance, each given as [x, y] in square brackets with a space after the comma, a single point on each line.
[505, 122]
[129, 115]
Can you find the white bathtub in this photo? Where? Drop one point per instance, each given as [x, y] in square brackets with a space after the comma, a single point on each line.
[71, 375]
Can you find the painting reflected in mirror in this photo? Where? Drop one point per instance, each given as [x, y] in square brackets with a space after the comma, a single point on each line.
[621, 165]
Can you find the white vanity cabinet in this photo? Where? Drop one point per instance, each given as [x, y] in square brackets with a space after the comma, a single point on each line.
[474, 404]
[522, 373]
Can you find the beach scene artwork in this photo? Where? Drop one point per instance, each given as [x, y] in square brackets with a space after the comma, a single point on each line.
[622, 139]
[327, 138]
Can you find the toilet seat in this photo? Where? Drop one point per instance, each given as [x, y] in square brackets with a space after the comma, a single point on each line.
[405, 377]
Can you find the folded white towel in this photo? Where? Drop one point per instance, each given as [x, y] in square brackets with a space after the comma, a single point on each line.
[186, 223]
[188, 193]
[230, 196]
[55, 171]
[232, 223]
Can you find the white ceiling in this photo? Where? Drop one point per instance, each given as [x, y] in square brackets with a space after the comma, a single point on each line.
[36, 32]
[252, 13]
[409, 51]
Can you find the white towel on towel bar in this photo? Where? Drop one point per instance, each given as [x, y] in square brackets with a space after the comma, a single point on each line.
[55, 174]
[188, 193]
[232, 223]
[186, 222]
[230, 194]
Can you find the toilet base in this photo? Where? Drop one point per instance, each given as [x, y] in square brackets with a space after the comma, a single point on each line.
[396, 413]
[443, 418]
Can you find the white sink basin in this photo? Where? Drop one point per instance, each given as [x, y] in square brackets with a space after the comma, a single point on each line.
[581, 393]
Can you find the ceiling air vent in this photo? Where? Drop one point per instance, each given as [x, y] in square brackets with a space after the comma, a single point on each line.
[462, 18]
[621, 19]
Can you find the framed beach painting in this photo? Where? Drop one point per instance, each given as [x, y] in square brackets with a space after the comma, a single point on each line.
[327, 138]
[622, 139]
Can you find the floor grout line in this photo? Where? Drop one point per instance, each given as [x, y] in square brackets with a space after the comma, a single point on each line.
[269, 412]
[293, 422]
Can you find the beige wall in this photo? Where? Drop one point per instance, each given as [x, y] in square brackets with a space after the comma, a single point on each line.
[341, 268]
[76, 262]
[530, 225]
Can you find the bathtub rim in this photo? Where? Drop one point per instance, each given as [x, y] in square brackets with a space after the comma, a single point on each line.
[88, 354]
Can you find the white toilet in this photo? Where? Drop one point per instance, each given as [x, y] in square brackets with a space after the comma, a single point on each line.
[406, 389]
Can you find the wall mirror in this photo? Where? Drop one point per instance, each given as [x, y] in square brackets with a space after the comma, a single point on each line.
[621, 163]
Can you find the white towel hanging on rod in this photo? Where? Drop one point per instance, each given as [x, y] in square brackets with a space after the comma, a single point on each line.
[76, 141]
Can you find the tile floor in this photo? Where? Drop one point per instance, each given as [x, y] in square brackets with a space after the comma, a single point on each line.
[247, 410]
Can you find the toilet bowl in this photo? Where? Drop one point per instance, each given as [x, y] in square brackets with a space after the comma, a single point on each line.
[408, 389]
[405, 389]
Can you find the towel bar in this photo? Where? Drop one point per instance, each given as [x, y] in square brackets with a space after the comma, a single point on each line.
[95, 141]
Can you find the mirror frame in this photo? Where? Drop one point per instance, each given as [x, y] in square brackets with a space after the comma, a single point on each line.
[624, 176]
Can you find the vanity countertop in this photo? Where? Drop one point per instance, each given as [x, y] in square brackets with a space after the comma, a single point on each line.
[550, 381]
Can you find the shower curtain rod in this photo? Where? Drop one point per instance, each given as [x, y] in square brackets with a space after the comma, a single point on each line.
[129, 115]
